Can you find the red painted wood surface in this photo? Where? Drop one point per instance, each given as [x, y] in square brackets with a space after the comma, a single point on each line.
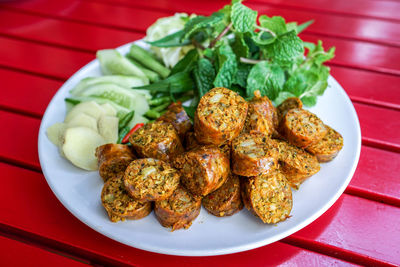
[14, 253]
[385, 32]
[65, 232]
[43, 42]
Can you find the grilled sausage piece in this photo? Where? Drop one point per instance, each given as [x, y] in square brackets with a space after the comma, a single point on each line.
[150, 179]
[327, 148]
[177, 116]
[254, 154]
[289, 103]
[203, 170]
[268, 196]
[226, 200]
[302, 128]
[113, 160]
[190, 141]
[179, 210]
[119, 205]
[261, 116]
[157, 140]
[296, 164]
[219, 117]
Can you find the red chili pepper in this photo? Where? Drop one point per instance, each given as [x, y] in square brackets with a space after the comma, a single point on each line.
[126, 137]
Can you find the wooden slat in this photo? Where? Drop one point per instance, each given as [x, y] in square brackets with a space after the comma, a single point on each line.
[383, 32]
[22, 88]
[14, 253]
[356, 225]
[75, 35]
[42, 59]
[377, 174]
[383, 10]
[65, 232]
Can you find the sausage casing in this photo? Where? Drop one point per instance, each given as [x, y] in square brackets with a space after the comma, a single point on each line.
[268, 196]
[179, 210]
[203, 170]
[328, 147]
[150, 179]
[157, 140]
[177, 116]
[302, 128]
[219, 117]
[119, 204]
[253, 154]
[226, 200]
[113, 160]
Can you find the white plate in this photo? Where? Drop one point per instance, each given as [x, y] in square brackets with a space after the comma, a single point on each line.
[79, 190]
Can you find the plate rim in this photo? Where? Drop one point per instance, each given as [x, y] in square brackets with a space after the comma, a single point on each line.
[222, 251]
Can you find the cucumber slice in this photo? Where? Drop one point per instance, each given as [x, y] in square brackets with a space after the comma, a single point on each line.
[109, 109]
[121, 111]
[137, 119]
[119, 95]
[112, 62]
[121, 80]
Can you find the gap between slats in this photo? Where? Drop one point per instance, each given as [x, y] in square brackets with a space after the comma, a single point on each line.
[23, 239]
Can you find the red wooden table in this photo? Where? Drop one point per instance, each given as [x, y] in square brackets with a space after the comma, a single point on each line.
[43, 42]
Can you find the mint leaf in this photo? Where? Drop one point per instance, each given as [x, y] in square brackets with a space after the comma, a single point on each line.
[227, 66]
[240, 47]
[264, 38]
[317, 54]
[285, 49]
[242, 74]
[267, 78]
[199, 22]
[243, 18]
[275, 24]
[204, 75]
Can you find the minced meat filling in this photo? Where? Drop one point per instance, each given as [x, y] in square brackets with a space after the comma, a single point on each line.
[181, 201]
[304, 123]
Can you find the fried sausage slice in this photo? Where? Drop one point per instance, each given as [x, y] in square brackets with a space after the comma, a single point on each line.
[157, 140]
[177, 116]
[179, 210]
[226, 200]
[268, 196]
[289, 103]
[119, 204]
[328, 147]
[261, 116]
[253, 154]
[219, 117]
[203, 170]
[113, 160]
[296, 164]
[302, 128]
[150, 179]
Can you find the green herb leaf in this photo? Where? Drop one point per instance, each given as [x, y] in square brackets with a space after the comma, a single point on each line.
[240, 47]
[243, 18]
[178, 83]
[275, 24]
[227, 66]
[190, 111]
[285, 49]
[172, 40]
[242, 74]
[264, 38]
[267, 78]
[283, 95]
[204, 75]
[186, 63]
[317, 54]
[303, 26]
[199, 22]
